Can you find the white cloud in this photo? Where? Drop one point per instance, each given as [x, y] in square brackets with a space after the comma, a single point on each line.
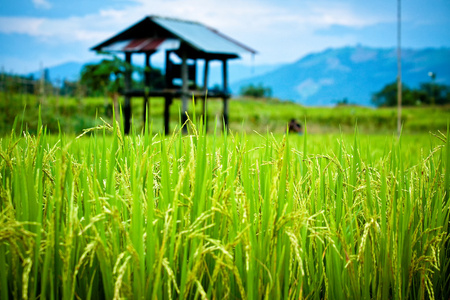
[84, 29]
[310, 87]
[230, 16]
[42, 4]
[278, 32]
[11, 25]
[333, 63]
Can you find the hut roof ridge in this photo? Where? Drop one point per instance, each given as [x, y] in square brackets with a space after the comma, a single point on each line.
[175, 19]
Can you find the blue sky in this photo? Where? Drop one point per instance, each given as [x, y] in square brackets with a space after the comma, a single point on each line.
[50, 32]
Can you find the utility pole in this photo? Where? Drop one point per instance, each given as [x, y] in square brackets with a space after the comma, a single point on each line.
[399, 69]
[42, 86]
[433, 87]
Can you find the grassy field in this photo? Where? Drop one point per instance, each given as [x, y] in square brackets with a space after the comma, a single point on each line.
[246, 115]
[224, 215]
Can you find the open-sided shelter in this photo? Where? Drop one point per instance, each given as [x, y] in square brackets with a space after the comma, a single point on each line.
[189, 41]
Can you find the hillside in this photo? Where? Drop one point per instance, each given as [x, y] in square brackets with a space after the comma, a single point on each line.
[66, 71]
[237, 71]
[322, 78]
[354, 73]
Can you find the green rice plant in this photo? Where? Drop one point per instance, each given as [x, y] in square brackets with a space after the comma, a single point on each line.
[226, 215]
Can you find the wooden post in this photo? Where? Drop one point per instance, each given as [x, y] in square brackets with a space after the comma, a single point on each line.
[184, 89]
[127, 106]
[167, 71]
[205, 90]
[147, 81]
[225, 91]
[167, 102]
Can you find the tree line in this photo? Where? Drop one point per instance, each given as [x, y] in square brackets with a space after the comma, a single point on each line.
[29, 85]
[256, 91]
[429, 93]
[106, 79]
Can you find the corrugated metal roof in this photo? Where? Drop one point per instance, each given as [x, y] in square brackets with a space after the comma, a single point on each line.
[142, 45]
[201, 37]
[158, 33]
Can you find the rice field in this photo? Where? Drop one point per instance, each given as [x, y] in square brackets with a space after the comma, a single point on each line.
[223, 216]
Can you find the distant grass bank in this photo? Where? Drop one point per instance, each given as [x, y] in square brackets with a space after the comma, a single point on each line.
[73, 115]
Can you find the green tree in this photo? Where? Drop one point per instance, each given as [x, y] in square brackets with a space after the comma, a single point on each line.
[156, 79]
[436, 93]
[388, 95]
[258, 91]
[106, 77]
[427, 93]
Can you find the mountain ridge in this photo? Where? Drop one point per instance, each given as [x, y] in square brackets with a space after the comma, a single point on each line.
[327, 77]
[352, 73]
[237, 71]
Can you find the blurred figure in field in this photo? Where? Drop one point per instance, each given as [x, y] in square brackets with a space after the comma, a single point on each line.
[295, 127]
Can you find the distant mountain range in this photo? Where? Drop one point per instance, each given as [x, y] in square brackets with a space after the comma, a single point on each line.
[238, 71]
[66, 71]
[354, 73]
[323, 78]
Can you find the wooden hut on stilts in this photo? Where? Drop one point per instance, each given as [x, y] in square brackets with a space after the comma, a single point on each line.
[187, 40]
